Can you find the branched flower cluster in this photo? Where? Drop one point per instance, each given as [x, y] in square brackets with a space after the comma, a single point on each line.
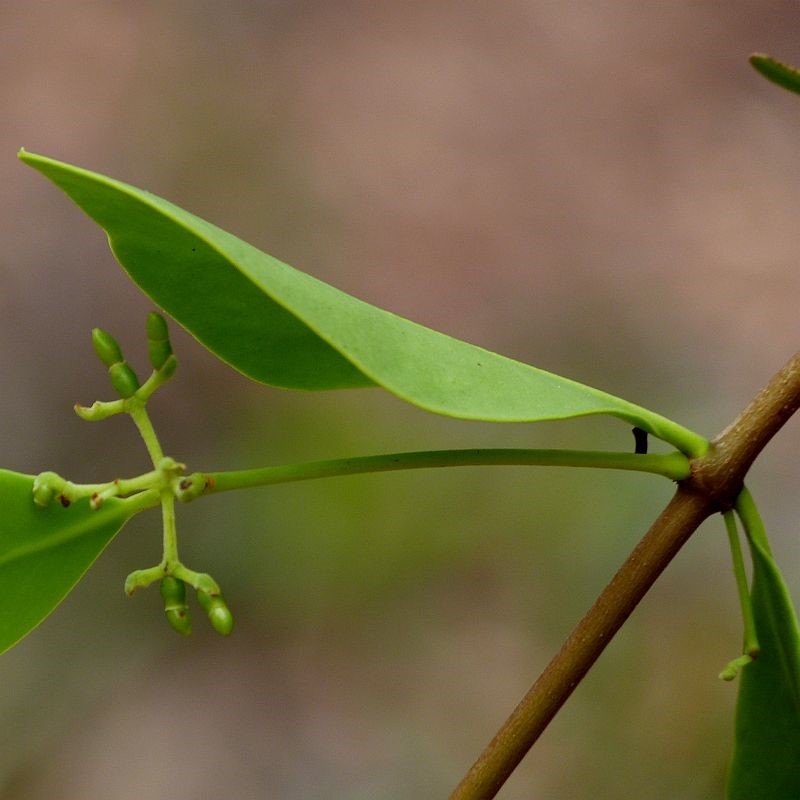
[167, 479]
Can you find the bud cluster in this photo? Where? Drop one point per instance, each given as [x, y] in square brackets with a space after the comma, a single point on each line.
[176, 609]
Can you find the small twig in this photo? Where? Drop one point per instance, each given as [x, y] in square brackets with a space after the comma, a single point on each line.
[716, 480]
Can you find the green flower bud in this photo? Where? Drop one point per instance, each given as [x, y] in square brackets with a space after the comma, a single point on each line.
[156, 327]
[123, 379]
[219, 615]
[44, 489]
[221, 618]
[158, 352]
[43, 495]
[158, 346]
[173, 592]
[106, 347]
[179, 621]
[167, 370]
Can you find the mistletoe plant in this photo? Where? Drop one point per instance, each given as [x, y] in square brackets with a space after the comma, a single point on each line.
[282, 327]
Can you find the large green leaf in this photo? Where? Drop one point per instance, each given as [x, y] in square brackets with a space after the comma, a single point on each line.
[766, 757]
[44, 552]
[280, 326]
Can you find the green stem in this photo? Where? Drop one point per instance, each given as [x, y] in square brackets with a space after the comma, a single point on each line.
[170, 537]
[671, 465]
[687, 441]
[141, 418]
[143, 500]
[142, 421]
[122, 487]
[751, 647]
[751, 520]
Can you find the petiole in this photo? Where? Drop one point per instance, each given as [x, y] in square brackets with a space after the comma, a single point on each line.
[751, 646]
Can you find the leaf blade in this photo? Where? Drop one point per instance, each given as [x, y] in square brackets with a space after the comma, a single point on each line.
[283, 327]
[44, 552]
[766, 757]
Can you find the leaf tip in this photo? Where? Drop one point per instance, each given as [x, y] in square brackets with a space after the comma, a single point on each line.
[784, 75]
[24, 156]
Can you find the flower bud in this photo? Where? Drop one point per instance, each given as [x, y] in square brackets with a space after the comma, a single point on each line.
[43, 489]
[179, 621]
[106, 347]
[173, 592]
[123, 379]
[219, 615]
[159, 348]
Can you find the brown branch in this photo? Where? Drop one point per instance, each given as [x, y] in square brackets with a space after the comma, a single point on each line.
[722, 471]
[716, 479]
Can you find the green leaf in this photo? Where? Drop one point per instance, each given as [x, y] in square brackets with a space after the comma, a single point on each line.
[282, 327]
[784, 75]
[44, 552]
[766, 756]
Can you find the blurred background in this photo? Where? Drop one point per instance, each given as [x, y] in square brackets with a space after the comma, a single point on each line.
[603, 189]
